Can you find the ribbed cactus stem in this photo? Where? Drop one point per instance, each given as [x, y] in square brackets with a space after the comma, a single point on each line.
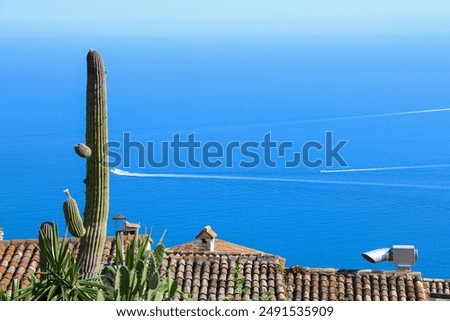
[97, 168]
[72, 216]
[46, 229]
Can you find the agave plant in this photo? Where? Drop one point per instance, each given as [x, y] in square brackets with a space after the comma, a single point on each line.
[135, 274]
[16, 293]
[60, 276]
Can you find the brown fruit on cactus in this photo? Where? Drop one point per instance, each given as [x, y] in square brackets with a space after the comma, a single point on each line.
[83, 151]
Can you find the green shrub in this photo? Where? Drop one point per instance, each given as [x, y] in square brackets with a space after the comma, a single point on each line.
[135, 274]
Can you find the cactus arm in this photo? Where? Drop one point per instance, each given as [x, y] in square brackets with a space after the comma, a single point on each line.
[72, 216]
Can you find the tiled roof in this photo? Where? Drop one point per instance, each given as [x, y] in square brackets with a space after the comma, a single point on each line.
[223, 276]
[239, 273]
[438, 288]
[19, 259]
[308, 284]
[220, 246]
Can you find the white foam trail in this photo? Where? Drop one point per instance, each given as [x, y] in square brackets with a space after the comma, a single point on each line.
[204, 127]
[413, 112]
[270, 179]
[317, 120]
[374, 169]
[402, 113]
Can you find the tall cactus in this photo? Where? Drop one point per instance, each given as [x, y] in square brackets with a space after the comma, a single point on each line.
[97, 168]
[92, 231]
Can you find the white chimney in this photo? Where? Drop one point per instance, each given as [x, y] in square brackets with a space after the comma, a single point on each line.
[2, 233]
[206, 238]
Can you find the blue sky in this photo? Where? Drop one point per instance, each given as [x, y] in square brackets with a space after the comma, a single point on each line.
[220, 17]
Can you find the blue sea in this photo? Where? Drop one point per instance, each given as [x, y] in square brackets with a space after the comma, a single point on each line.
[365, 90]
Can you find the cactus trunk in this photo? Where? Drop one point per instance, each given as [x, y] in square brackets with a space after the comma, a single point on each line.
[97, 168]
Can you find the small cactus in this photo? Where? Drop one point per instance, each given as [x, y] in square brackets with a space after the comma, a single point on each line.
[47, 229]
[72, 216]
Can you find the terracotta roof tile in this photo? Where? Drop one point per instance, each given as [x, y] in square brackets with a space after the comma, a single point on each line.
[211, 276]
[437, 289]
[353, 285]
[219, 246]
[438, 286]
[259, 276]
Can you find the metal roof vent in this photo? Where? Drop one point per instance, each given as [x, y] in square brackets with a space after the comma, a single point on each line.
[403, 256]
[2, 233]
[119, 218]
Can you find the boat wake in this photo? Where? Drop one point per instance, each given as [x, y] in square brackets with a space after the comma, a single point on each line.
[120, 172]
[375, 169]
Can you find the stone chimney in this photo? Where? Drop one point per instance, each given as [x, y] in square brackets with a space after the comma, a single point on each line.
[206, 238]
[130, 228]
[2, 233]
